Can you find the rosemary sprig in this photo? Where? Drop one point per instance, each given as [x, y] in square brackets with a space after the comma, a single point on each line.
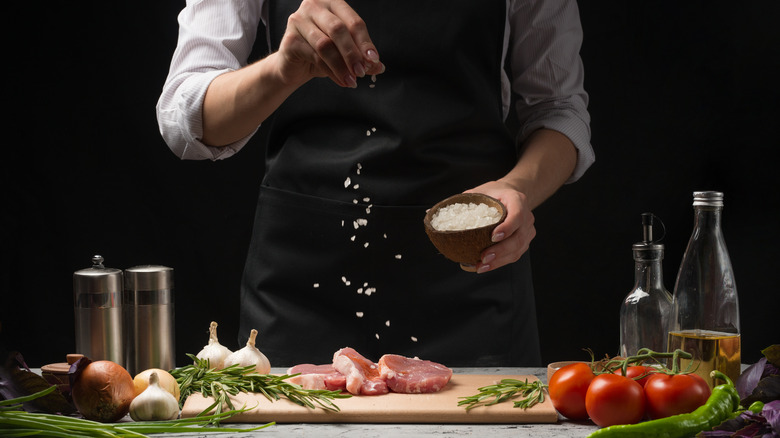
[221, 384]
[531, 393]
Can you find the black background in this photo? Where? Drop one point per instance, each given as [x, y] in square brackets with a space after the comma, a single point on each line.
[684, 97]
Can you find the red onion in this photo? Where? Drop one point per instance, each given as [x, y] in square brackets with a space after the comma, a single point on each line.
[102, 390]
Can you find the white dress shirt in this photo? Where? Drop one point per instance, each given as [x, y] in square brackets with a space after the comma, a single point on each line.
[542, 41]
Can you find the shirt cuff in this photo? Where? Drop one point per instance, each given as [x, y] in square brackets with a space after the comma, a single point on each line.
[576, 129]
[186, 117]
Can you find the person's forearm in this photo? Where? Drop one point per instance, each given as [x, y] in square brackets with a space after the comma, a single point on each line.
[236, 103]
[547, 161]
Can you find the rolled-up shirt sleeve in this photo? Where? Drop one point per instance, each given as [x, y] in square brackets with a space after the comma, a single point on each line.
[215, 37]
[548, 75]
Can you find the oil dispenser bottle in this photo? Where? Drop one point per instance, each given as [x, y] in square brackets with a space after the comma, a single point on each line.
[645, 312]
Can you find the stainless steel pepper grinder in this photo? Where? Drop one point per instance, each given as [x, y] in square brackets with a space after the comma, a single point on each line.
[97, 296]
[149, 318]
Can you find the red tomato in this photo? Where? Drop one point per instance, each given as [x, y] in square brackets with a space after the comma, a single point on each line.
[567, 388]
[635, 371]
[675, 394]
[613, 399]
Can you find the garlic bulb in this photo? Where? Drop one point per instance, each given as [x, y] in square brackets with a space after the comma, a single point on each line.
[250, 355]
[154, 403]
[214, 351]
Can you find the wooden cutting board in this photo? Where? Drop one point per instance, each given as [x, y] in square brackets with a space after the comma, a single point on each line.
[439, 407]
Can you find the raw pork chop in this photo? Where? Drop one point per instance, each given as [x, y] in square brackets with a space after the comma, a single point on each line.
[318, 377]
[362, 374]
[413, 376]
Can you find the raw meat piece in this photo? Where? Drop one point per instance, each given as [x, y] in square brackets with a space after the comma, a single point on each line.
[362, 375]
[318, 377]
[413, 376]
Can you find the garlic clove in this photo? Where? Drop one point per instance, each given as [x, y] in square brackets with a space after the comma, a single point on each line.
[214, 351]
[250, 355]
[154, 403]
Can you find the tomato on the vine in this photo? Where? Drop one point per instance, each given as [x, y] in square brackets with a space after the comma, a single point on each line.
[674, 394]
[635, 371]
[614, 399]
[567, 388]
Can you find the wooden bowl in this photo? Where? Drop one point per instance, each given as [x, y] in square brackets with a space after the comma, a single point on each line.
[463, 246]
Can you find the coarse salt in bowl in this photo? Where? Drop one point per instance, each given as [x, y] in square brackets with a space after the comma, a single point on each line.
[461, 226]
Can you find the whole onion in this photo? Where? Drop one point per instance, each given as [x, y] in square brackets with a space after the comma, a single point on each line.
[102, 390]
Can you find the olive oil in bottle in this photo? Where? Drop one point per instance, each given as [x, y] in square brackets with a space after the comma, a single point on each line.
[713, 350]
[705, 308]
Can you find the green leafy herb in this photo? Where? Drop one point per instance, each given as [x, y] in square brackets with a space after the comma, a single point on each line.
[507, 389]
[15, 422]
[221, 384]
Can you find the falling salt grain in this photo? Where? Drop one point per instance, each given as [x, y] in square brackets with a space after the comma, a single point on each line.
[370, 290]
[398, 256]
[347, 182]
[359, 314]
[373, 78]
[373, 129]
[387, 323]
[377, 335]
[360, 291]
[366, 199]
[342, 222]
[365, 245]
[354, 201]
[316, 285]
[365, 284]
[356, 186]
[352, 238]
[414, 339]
[368, 133]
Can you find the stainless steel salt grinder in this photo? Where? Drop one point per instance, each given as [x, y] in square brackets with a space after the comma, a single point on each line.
[97, 296]
[149, 318]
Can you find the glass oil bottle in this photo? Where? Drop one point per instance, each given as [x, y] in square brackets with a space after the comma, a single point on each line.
[705, 318]
[645, 312]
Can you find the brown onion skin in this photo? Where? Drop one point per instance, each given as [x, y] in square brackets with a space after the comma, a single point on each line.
[103, 391]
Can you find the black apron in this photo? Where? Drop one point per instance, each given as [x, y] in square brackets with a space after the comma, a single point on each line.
[339, 256]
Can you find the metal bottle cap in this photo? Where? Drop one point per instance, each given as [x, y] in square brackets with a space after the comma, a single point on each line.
[708, 199]
[96, 280]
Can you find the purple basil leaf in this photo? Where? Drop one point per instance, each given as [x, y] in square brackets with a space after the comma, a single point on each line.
[747, 381]
[767, 390]
[770, 370]
[771, 412]
[715, 434]
[749, 431]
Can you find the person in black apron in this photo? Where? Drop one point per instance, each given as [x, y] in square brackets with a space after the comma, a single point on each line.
[339, 256]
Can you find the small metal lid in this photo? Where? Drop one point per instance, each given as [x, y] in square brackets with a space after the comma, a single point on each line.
[708, 199]
[649, 248]
[97, 279]
[148, 278]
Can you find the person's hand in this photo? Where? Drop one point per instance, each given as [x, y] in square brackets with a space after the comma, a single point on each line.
[513, 236]
[327, 38]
